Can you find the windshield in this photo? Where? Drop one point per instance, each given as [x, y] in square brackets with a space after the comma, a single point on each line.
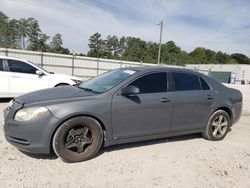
[106, 81]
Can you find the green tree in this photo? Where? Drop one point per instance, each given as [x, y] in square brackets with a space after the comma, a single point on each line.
[199, 56]
[96, 45]
[135, 49]
[13, 34]
[240, 58]
[23, 32]
[221, 58]
[210, 54]
[3, 29]
[172, 54]
[150, 53]
[33, 34]
[42, 43]
[172, 48]
[56, 45]
[56, 41]
[122, 45]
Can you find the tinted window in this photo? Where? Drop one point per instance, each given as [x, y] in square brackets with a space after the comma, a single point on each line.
[204, 84]
[21, 67]
[152, 83]
[1, 65]
[185, 81]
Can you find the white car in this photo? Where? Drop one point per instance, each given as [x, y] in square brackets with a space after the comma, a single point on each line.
[19, 76]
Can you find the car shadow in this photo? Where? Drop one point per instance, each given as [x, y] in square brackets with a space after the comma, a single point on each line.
[53, 156]
[152, 142]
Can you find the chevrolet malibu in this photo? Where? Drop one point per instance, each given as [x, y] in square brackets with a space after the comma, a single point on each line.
[120, 106]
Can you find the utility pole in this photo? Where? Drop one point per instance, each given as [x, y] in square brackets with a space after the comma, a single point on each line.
[159, 52]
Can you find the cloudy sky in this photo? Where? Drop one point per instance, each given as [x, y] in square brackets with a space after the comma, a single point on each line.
[216, 24]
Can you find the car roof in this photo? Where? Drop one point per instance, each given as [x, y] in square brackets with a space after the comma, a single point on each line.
[160, 68]
[14, 58]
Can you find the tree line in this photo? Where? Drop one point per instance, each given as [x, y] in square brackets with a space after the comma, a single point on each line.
[26, 34]
[136, 49]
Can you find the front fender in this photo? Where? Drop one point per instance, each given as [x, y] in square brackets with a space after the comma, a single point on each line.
[98, 108]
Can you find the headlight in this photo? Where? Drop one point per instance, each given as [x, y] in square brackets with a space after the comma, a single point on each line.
[32, 113]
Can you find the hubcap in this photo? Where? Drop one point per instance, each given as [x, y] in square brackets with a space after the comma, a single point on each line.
[219, 126]
[78, 139]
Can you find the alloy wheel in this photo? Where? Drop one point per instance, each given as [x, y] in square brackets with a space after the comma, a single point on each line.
[219, 126]
[78, 139]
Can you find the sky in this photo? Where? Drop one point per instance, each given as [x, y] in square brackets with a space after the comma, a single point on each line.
[221, 25]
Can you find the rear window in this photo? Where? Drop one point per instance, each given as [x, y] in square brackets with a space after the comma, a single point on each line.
[185, 82]
[1, 65]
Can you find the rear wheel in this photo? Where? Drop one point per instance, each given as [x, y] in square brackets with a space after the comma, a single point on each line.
[218, 125]
[78, 139]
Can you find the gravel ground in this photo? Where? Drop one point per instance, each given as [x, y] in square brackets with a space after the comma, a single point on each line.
[184, 161]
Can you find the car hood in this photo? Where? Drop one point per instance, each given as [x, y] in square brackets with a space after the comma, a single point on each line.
[64, 76]
[57, 93]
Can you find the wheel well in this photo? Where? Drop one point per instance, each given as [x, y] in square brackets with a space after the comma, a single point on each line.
[61, 84]
[227, 110]
[87, 115]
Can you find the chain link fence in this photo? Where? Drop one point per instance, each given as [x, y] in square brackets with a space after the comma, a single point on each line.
[81, 66]
[87, 67]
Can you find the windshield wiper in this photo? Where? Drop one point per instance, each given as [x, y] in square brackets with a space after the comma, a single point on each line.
[87, 89]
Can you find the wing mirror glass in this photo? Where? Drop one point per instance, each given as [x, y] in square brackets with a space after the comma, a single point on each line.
[130, 90]
[38, 72]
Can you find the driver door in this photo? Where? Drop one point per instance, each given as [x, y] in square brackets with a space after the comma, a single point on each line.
[23, 78]
[146, 113]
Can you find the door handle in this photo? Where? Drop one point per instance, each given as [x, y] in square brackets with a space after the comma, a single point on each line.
[209, 97]
[163, 100]
[15, 76]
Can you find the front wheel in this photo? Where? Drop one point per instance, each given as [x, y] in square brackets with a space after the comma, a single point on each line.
[78, 139]
[218, 125]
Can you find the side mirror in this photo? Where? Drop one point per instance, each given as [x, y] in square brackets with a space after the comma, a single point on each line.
[39, 73]
[130, 90]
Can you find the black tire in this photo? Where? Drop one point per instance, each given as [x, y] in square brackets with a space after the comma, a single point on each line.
[217, 126]
[78, 139]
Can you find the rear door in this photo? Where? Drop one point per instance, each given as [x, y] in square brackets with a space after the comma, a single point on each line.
[23, 78]
[146, 113]
[192, 99]
[4, 79]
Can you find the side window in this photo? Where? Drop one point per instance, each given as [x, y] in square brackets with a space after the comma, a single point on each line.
[185, 81]
[1, 65]
[152, 83]
[204, 84]
[21, 67]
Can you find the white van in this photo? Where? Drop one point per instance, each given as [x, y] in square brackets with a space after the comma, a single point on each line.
[19, 76]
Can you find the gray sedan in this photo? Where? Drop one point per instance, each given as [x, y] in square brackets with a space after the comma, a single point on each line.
[120, 106]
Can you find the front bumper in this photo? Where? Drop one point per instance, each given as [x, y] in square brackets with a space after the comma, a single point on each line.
[33, 136]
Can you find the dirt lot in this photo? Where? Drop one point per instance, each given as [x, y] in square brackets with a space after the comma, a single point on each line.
[186, 161]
